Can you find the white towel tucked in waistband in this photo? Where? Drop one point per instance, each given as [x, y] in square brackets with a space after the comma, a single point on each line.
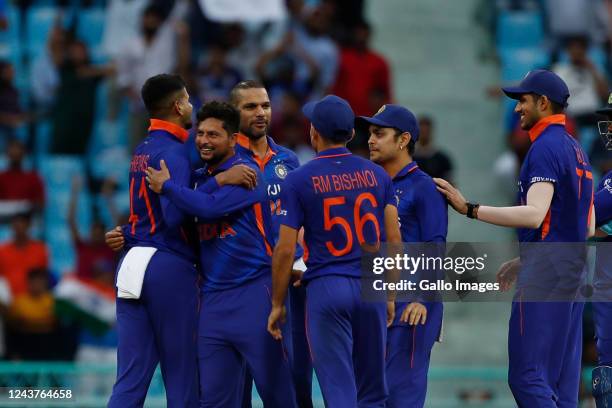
[132, 271]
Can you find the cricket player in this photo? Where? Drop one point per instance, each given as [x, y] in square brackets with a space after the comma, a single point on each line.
[343, 202]
[423, 217]
[556, 196]
[602, 310]
[159, 325]
[235, 233]
[275, 162]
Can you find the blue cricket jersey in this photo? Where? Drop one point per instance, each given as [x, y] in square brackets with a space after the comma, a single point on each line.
[556, 157]
[154, 220]
[234, 226]
[340, 201]
[275, 166]
[421, 207]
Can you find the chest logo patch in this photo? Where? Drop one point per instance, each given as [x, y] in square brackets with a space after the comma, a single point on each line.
[281, 171]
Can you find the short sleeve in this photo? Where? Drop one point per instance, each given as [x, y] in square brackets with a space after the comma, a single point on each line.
[389, 197]
[432, 213]
[543, 165]
[292, 212]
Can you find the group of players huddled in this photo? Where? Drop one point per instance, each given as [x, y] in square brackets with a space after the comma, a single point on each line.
[249, 268]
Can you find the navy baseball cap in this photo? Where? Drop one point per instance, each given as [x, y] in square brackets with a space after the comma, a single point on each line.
[541, 82]
[332, 116]
[394, 116]
[606, 110]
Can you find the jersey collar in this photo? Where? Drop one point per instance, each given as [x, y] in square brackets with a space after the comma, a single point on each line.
[333, 152]
[543, 124]
[175, 130]
[409, 168]
[244, 142]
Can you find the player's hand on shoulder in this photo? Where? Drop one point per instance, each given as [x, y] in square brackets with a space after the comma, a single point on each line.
[114, 239]
[453, 195]
[277, 317]
[414, 313]
[508, 271]
[157, 178]
[238, 175]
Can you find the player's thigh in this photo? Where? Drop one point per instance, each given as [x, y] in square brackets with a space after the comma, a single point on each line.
[221, 374]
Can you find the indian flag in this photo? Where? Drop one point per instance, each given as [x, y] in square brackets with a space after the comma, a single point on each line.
[88, 302]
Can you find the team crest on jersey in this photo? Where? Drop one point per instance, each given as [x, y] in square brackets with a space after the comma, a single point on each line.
[382, 108]
[281, 171]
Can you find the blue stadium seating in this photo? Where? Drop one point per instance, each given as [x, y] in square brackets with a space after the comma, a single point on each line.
[516, 62]
[39, 20]
[519, 29]
[90, 27]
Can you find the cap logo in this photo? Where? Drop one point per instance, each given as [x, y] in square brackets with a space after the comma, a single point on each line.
[381, 110]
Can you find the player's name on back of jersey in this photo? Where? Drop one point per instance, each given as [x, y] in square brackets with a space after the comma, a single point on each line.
[354, 180]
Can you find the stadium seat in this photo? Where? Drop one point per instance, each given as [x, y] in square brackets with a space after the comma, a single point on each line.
[61, 250]
[39, 21]
[519, 29]
[57, 171]
[516, 62]
[10, 37]
[90, 27]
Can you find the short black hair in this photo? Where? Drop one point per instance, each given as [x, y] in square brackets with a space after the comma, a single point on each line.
[158, 90]
[581, 39]
[155, 10]
[226, 113]
[248, 84]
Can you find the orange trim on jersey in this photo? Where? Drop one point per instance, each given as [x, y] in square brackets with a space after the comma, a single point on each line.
[179, 132]
[591, 207]
[546, 225]
[260, 226]
[332, 155]
[306, 251]
[543, 123]
[244, 141]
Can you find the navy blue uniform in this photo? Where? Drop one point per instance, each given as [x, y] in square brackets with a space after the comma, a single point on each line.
[545, 338]
[160, 326]
[423, 217]
[340, 200]
[236, 241]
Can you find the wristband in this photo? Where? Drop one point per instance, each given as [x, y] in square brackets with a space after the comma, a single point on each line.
[472, 210]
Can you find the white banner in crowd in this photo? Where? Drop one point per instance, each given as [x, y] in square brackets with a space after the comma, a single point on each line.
[243, 10]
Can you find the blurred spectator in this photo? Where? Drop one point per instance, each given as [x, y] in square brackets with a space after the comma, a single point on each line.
[45, 76]
[3, 20]
[95, 260]
[11, 114]
[31, 325]
[277, 69]
[215, 78]
[72, 116]
[161, 46]
[243, 45]
[345, 14]
[565, 18]
[429, 157]
[587, 86]
[20, 190]
[363, 79]
[312, 39]
[290, 128]
[21, 254]
[120, 23]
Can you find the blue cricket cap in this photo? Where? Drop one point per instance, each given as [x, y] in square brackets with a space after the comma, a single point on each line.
[541, 82]
[394, 116]
[332, 116]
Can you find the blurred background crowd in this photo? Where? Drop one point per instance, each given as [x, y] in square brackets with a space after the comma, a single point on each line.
[70, 115]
